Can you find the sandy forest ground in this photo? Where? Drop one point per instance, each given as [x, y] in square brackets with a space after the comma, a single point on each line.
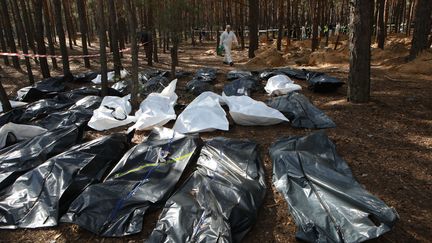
[387, 142]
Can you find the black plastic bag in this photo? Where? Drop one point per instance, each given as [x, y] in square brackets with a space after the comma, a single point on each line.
[237, 74]
[196, 87]
[206, 74]
[301, 112]
[290, 72]
[17, 159]
[78, 114]
[45, 192]
[85, 77]
[154, 85]
[242, 86]
[148, 74]
[220, 201]
[327, 203]
[13, 116]
[121, 86]
[44, 107]
[143, 179]
[320, 82]
[43, 89]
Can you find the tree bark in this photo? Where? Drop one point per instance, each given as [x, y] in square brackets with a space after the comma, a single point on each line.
[102, 48]
[114, 38]
[83, 29]
[381, 28]
[29, 29]
[315, 10]
[38, 10]
[61, 36]
[7, 25]
[69, 25]
[3, 44]
[281, 20]
[49, 34]
[134, 79]
[253, 27]
[23, 38]
[360, 40]
[4, 99]
[422, 28]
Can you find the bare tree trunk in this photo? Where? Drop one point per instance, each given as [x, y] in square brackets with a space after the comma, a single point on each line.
[253, 27]
[69, 26]
[381, 28]
[83, 29]
[29, 29]
[3, 44]
[360, 41]
[315, 10]
[7, 25]
[38, 10]
[23, 38]
[102, 48]
[61, 36]
[49, 34]
[4, 99]
[422, 28]
[114, 37]
[134, 79]
[281, 20]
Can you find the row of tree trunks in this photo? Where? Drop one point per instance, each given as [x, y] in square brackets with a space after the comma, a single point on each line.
[7, 26]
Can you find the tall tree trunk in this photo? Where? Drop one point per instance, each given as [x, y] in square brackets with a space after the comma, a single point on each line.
[114, 37]
[281, 20]
[253, 27]
[360, 41]
[83, 29]
[38, 10]
[315, 10]
[29, 29]
[61, 36]
[69, 25]
[134, 79]
[4, 99]
[23, 38]
[381, 28]
[102, 47]
[422, 28]
[3, 44]
[7, 25]
[49, 34]
[150, 22]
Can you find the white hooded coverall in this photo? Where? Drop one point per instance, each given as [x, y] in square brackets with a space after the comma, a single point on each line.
[227, 40]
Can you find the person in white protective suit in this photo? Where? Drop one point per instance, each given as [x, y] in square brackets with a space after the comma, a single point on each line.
[227, 39]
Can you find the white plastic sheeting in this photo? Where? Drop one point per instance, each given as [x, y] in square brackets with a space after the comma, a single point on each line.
[249, 112]
[21, 132]
[281, 85]
[204, 114]
[113, 112]
[14, 104]
[123, 74]
[157, 109]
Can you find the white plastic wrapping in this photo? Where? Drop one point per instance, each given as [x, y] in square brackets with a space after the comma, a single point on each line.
[113, 112]
[123, 74]
[249, 112]
[281, 85]
[14, 104]
[204, 114]
[21, 132]
[157, 109]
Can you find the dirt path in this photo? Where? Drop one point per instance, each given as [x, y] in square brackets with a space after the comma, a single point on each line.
[387, 143]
